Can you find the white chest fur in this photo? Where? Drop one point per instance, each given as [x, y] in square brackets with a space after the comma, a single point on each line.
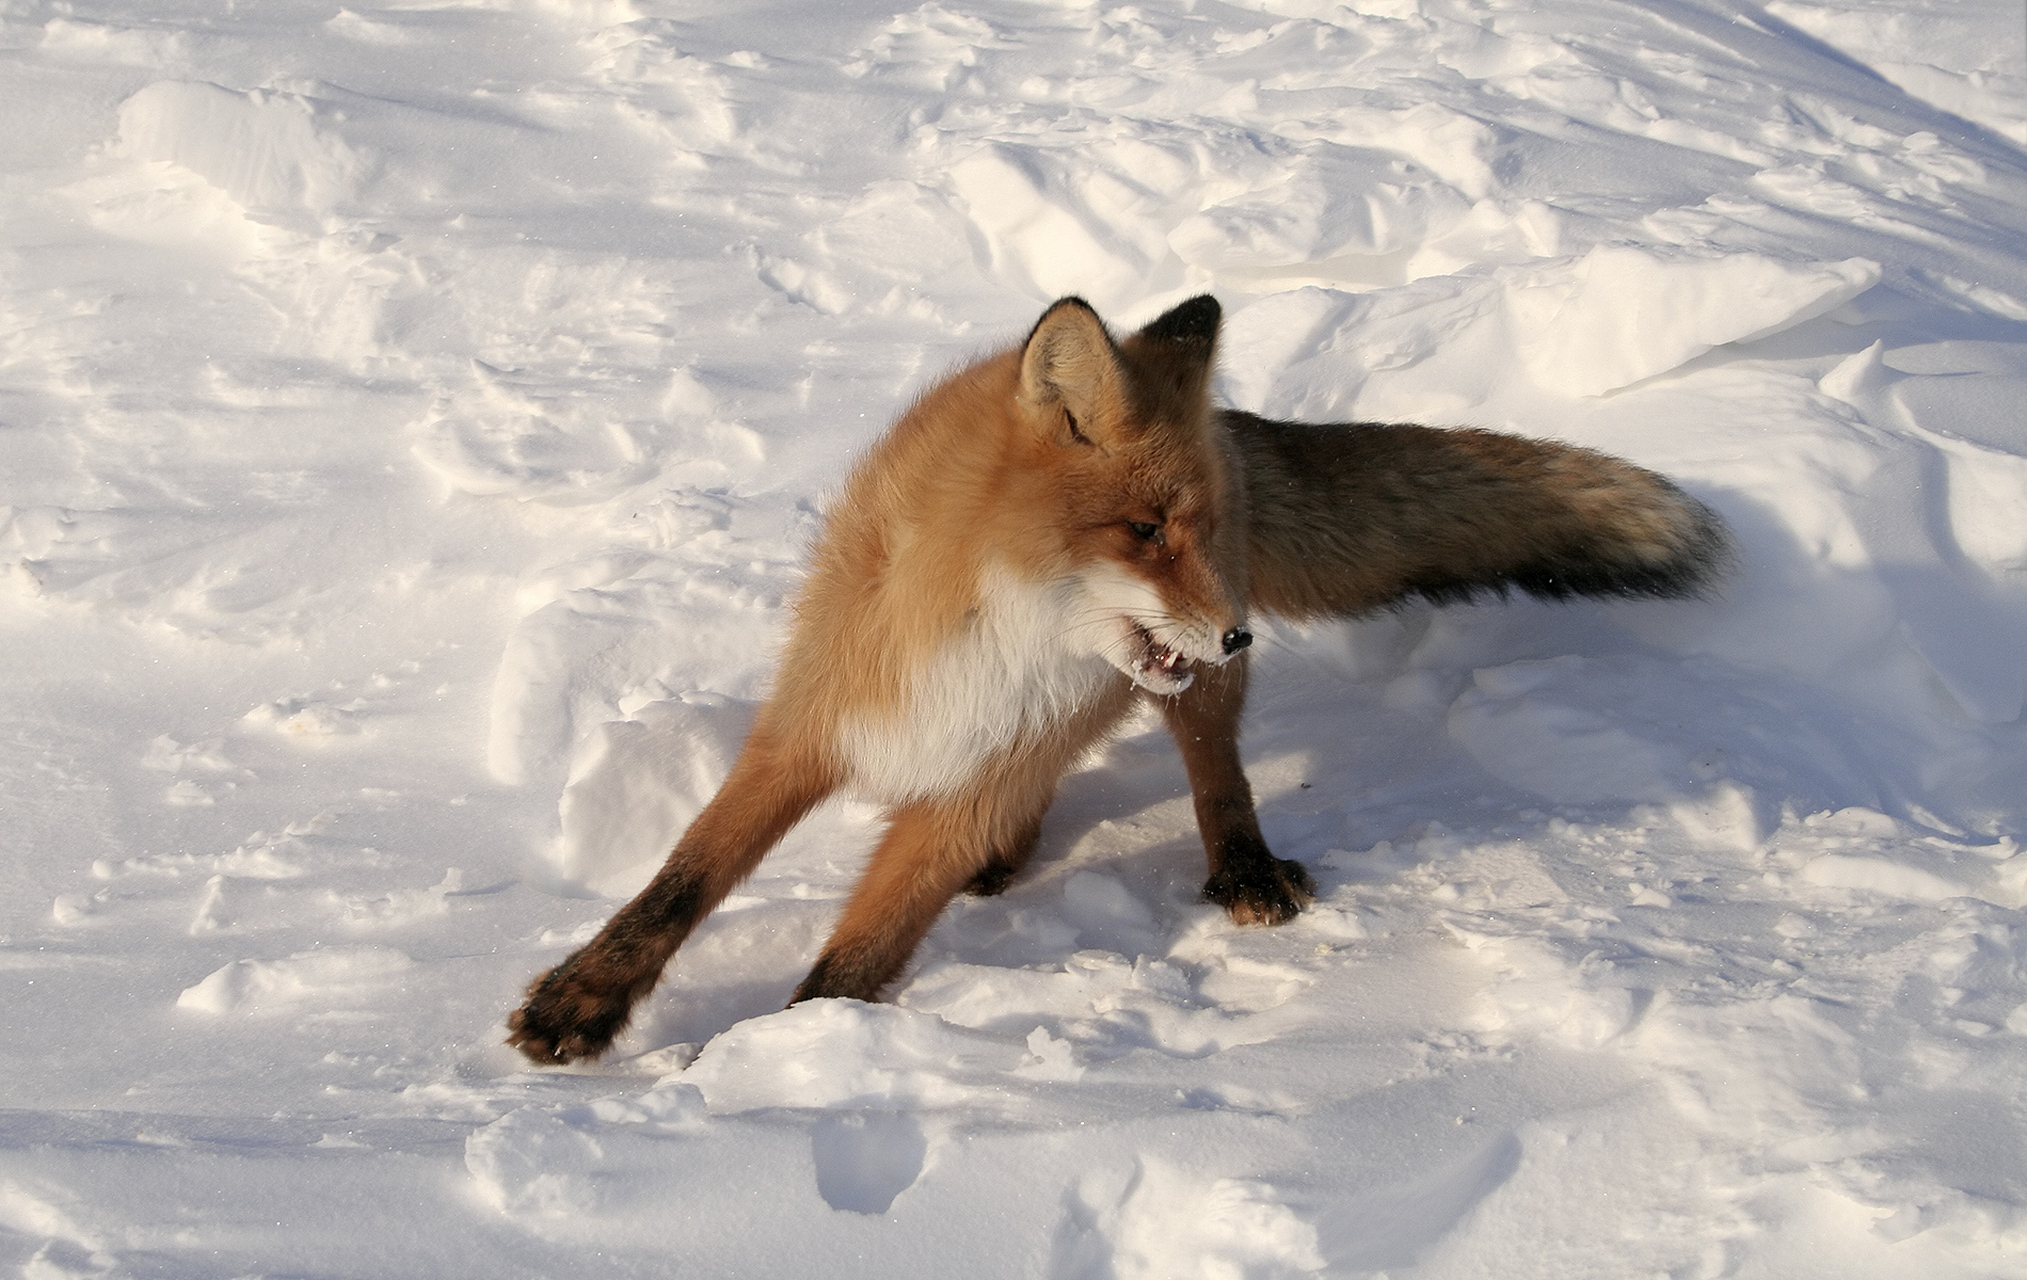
[1019, 666]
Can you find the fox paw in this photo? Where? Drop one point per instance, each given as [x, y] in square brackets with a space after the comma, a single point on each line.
[564, 1019]
[1263, 890]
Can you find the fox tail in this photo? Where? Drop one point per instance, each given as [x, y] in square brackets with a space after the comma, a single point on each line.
[1349, 518]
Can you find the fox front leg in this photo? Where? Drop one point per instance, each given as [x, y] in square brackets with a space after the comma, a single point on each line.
[1246, 879]
[576, 1009]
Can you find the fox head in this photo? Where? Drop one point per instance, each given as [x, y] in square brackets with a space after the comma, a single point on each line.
[1148, 494]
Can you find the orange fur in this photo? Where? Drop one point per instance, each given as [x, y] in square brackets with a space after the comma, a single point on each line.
[1038, 535]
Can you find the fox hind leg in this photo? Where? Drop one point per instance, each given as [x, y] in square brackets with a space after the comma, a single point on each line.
[932, 850]
[1006, 862]
[1246, 879]
[978, 837]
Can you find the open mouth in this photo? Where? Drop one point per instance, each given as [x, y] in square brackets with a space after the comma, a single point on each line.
[1156, 667]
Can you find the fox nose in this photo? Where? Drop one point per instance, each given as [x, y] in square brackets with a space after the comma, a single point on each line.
[1236, 639]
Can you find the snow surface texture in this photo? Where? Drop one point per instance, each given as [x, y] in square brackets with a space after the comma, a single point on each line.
[412, 417]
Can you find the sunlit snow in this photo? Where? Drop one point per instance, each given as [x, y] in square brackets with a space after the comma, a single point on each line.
[413, 417]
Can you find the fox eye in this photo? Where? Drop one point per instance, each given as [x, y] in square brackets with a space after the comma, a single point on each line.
[1144, 531]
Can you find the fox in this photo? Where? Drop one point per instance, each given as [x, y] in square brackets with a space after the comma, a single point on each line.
[1047, 538]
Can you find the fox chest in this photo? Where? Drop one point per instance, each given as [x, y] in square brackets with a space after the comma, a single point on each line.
[1010, 678]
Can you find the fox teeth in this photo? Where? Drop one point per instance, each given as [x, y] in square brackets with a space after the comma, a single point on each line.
[1157, 658]
[1158, 668]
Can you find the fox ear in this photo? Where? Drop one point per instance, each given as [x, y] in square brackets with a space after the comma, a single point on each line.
[1192, 323]
[1173, 354]
[1069, 364]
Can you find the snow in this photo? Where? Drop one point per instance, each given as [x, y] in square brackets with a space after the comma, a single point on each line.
[413, 417]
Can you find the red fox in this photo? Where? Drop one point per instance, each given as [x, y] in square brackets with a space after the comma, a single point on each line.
[1049, 535]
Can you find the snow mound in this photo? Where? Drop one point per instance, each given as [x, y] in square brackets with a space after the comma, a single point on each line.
[1048, 227]
[279, 155]
[1622, 314]
[308, 981]
[635, 784]
[846, 1054]
[1337, 210]
[1165, 1221]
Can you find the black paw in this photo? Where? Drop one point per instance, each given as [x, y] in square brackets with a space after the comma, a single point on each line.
[565, 1018]
[1261, 890]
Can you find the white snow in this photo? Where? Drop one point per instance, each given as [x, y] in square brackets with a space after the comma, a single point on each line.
[412, 419]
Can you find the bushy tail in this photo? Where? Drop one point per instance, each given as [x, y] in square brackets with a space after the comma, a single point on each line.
[1353, 517]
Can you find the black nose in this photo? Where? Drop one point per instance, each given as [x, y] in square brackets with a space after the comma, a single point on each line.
[1236, 639]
